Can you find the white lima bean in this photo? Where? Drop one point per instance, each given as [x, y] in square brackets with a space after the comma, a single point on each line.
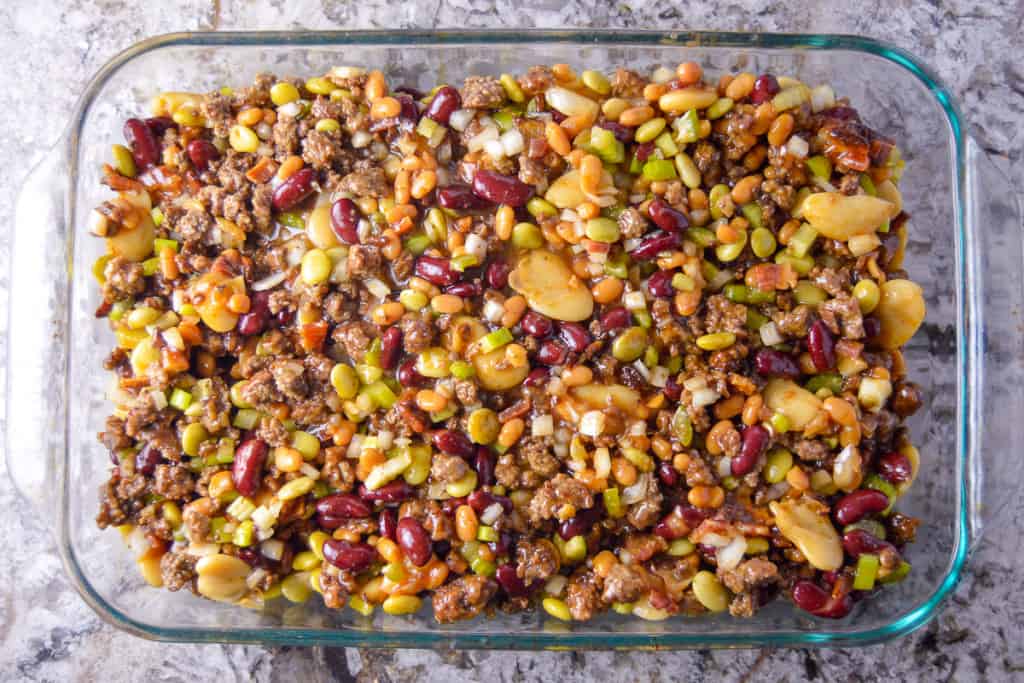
[222, 577]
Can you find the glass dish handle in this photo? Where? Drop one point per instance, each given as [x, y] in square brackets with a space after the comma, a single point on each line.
[37, 344]
[995, 424]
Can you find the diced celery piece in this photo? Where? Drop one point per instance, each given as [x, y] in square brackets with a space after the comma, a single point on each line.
[867, 570]
[687, 127]
[495, 340]
[180, 399]
[752, 212]
[820, 167]
[667, 145]
[802, 240]
[868, 184]
[246, 418]
[659, 169]
[612, 503]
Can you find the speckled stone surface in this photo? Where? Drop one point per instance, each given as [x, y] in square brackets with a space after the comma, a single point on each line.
[52, 48]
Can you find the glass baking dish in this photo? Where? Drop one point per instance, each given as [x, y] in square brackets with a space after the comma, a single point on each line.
[965, 250]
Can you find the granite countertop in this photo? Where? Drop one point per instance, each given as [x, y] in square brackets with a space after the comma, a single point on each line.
[51, 49]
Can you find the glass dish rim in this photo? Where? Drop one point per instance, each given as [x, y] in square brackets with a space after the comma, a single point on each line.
[910, 621]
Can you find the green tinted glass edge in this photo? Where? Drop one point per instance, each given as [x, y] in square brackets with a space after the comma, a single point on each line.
[911, 621]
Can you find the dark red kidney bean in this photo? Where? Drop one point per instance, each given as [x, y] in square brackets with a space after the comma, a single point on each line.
[857, 505]
[858, 542]
[202, 152]
[691, 515]
[144, 145]
[412, 92]
[414, 541]
[497, 274]
[255, 321]
[755, 441]
[160, 124]
[644, 151]
[437, 271]
[621, 132]
[410, 111]
[536, 325]
[248, 466]
[660, 284]
[454, 443]
[483, 463]
[255, 558]
[387, 523]
[501, 189]
[582, 522]
[445, 101]
[501, 546]
[667, 218]
[537, 377]
[575, 336]
[668, 474]
[460, 198]
[343, 506]
[809, 596]
[895, 467]
[552, 352]
[292, 191]
[772, 363]
[147, 459]
[353, 557]
[836, 607]
[480, 500]
[345, 220]
[285, 316]
[464, 289]
[672, 526]
[510, 582]
[765, 87]
[872, 327]
[615, 319]
[390, 347]
[394, 492]
[673, 390]
[655, 244]
[407, 375]
[821, 346]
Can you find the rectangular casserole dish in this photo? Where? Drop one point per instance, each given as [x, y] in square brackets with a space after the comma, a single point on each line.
[964, 249]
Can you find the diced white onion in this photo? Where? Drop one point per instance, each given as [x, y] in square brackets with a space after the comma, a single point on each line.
[385, 439]
[715, 540]
[724, 467]
[644, 371]
[825, 185]
[796, 146]
[480, 140]
[822, 97]
[659, 376]
[636, 492]
[99, 224]
[363, 228]
[460, 118]
[694, 383]
[555, 585]
[729, 556]
[513, 142]
[273, 549]
[378, 288]
[291, 109]
[770, 335]
[634, 301]
[543, 425]
[491, 513]
[293, 252]
[704, 397]
[355, 446]
[592, 423]
[309, 471]
[360, 139]
[493, 311]
[494, 149]
[159, 399]
[269, 282]
[256, 577]
[477, 246]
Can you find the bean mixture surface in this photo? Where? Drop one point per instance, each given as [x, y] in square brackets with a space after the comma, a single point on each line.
[567, 341]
